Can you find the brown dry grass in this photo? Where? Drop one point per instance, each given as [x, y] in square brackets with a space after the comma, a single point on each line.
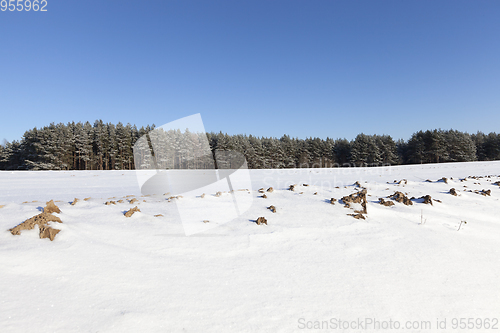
[261, 220]
[359, 197]
[51, 208]
[385, 203]
[42, 221]
[401, 198]
[131, 211]
[427, 199]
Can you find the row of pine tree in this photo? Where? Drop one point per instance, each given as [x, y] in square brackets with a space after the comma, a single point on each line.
[105, 146]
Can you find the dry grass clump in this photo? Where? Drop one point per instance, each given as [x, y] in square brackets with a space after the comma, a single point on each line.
[2, 206]
[264, 196]
[427, 199]
[74, 202]
[261, 220]
[272, 209]
[485, 192]
[262, 190]
[270, 190]
[332, 201]
[358, 216]
[42, 221]
[107, 203]
[359, 197]
[218, 194]
[51, 208]
[453, 192]
[87, 199]
[131, 211]
[385, 203]
[158, 215]
[292, 187]
[401, 198]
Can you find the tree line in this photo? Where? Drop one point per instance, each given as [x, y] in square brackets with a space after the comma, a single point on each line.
[105, 146]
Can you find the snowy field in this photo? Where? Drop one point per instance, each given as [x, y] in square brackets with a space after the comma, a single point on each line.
[309, 267]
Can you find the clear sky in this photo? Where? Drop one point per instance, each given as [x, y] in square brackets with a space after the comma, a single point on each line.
[304, 68]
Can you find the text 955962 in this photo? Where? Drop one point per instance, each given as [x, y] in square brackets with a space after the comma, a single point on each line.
[23, 5]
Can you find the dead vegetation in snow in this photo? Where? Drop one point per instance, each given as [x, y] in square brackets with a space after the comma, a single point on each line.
[385, 203]
[261, 220]
[401, 198]
[42, 221]
[131, 211]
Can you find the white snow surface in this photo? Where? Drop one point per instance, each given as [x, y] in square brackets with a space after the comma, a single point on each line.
[311, 264]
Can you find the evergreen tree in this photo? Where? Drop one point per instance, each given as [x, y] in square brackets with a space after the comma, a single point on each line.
[342, 151]
[83, 145]
[491, 147]
[364, 151]
[461, 147]
[276, 154]
[258, 162]
[402, 151]
[289, 147]
[124, 147]
[328, 153]
[112, 150]
[99, 143]
[436, 146]
[388, 149]
[416, 148]
[304, 156]
[11, 158]
[479, 138]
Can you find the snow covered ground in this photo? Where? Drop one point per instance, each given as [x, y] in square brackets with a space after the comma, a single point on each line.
[310, 267]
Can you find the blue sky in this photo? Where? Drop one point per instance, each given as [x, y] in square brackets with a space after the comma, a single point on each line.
[267, 68]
